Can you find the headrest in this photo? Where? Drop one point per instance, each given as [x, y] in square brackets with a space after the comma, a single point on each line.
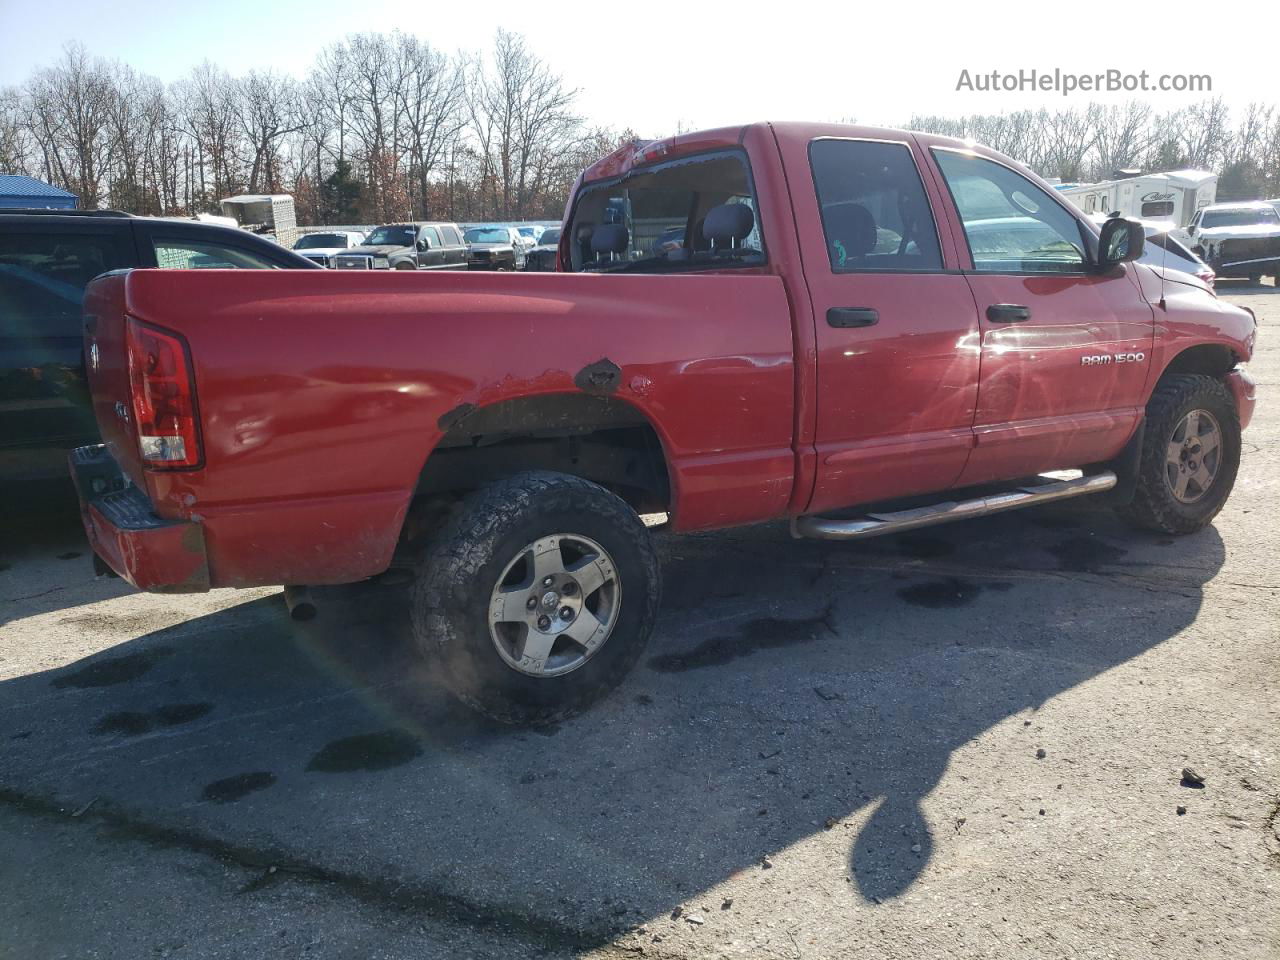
[852, 225]
[728, 223]
[609, 238]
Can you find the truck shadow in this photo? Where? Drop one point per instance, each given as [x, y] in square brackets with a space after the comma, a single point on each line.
[795, 693]
[45, 561]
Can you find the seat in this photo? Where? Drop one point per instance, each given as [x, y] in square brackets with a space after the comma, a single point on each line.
[726, 226]
[609, 241]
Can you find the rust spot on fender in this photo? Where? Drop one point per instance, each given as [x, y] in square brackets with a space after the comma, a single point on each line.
[447, 420]
[602, 377]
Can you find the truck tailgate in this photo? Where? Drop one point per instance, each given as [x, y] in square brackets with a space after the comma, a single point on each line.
[107, 364]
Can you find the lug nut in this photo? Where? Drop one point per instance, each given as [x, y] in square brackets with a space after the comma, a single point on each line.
[544, 622]
[566, 613]
[531, 603]
[569, 589]
[548, 581]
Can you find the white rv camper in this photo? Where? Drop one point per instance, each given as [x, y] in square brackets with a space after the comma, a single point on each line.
[266, 213]
[1173, 197]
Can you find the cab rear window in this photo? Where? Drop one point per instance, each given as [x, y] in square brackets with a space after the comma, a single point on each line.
[693, 213]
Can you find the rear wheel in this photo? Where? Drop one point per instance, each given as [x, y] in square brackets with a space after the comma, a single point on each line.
[537, 597]
[1190, 455]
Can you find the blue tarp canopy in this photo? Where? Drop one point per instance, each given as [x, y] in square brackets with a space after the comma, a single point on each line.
[20, 191]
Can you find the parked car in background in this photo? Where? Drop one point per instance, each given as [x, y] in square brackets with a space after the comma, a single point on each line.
[407, 246]
[494, 248]
[532, 232]
[543, 256]
[46, 258]
[322, 247]
[1237, 239]
[670, 239]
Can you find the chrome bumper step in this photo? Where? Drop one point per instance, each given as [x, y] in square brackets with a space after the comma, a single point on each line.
[878, 524]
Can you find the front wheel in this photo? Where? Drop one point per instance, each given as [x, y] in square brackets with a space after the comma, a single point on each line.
[537, 597]
[1190, 455]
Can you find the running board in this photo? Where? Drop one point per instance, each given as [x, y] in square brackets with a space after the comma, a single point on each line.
[878, 524]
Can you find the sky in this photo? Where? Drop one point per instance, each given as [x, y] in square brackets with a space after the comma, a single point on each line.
[660, 66]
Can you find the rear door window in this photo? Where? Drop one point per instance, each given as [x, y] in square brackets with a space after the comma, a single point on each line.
[451, 236]
[177, 254]
[43, 275]
[875, 213]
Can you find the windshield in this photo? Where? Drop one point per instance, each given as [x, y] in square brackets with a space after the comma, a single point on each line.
[652, 220]
[391, 237]
[550, 237]
[313, 240]
[1240, 218]
[488, 235]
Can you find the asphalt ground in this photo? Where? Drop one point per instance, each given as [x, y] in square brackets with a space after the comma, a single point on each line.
[964, 742]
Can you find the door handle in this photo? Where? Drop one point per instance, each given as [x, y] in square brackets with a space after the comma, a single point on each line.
[852, 317]
[1008, 313]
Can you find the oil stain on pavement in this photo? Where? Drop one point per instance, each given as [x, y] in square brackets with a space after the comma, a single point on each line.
[368, 751]
[132, 723]
[1085, 554]
[112, 670]
[763, 633]
[940, 594]
[231, 789]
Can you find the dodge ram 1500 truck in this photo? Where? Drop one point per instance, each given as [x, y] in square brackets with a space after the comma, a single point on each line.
[776, 321]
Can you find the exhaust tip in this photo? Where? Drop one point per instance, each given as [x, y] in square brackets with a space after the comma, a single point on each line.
[298, 600]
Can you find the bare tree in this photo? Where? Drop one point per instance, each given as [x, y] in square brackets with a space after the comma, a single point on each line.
[431, 111]
[522, 120]
[209, 105]
[1122, 137]
[268, 111]
[377, 78]
[15, 136]
[69, 117]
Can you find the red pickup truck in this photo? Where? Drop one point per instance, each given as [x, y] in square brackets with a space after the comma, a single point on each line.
[747, 324]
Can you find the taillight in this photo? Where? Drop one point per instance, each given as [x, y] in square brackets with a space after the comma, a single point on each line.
[164, 398]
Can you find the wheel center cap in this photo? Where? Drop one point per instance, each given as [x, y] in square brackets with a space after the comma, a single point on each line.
[550, 599]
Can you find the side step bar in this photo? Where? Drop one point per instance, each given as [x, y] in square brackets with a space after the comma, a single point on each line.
[878, 524]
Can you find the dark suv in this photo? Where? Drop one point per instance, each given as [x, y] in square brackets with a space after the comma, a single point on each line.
[46, 258]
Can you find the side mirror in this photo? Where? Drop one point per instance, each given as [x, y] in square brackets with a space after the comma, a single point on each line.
[424, 243]
[1122, 240]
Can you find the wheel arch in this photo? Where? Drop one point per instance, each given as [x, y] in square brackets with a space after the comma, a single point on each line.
[601, 438]
[1213, 359]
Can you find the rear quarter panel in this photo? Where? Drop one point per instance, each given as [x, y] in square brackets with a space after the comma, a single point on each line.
[322, 394]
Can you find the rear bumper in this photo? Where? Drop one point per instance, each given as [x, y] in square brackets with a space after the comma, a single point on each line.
[152, 553]
[1244, 388]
